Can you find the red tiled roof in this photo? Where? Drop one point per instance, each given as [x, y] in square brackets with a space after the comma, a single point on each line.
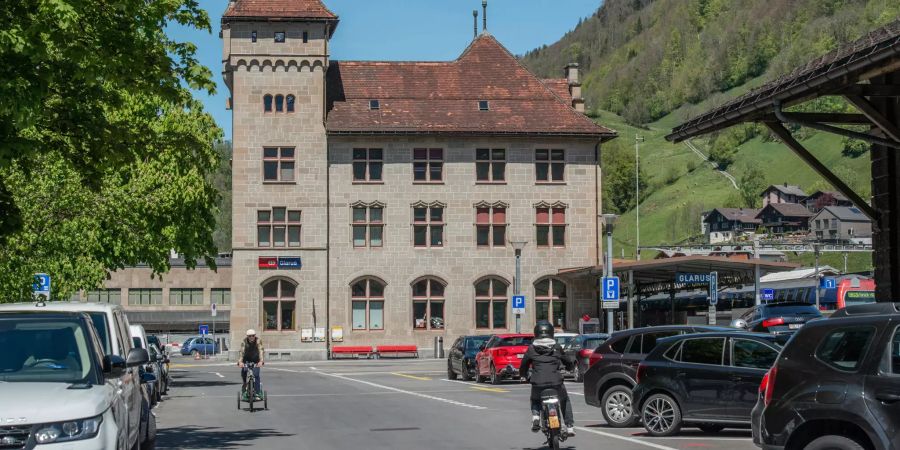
[442, 97]
[559, 86]
[278, 9]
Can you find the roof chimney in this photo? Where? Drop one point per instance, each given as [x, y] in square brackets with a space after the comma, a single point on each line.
[574, 87]
[475, 21]
[484, 15]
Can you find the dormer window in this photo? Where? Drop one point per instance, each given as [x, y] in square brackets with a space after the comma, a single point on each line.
[374, 105]
[279, 37]
[483, 105]
[253, 36]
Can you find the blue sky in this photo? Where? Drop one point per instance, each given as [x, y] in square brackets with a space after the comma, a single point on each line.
[411, 30]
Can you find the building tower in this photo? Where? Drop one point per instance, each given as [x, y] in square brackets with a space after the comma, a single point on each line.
[274, 62]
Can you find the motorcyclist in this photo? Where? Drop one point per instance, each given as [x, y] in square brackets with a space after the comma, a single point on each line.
[544, 357]
[251, 351]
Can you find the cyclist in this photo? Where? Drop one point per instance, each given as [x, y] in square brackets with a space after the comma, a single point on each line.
[544, 356]
[251, 352]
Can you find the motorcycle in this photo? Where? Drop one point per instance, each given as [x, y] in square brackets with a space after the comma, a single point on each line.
[551, 418]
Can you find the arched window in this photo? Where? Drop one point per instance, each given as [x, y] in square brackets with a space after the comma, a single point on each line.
[490, 303]
[279, 103]
[550, 301]
[279, 305]
[367, 299]
[267, 103]
[290, 102]
[428, 304]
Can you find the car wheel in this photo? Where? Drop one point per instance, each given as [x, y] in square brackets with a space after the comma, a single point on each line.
[478, 377]
[195, 353]
[661, 415]
[833, 442]
[465, 371]
[495, 378]
[451, 375]
[617, 408]
[710, 427]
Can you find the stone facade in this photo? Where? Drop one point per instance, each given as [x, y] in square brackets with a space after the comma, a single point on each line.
[323, 191]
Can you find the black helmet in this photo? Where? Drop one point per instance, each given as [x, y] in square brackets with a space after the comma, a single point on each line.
[543, 330]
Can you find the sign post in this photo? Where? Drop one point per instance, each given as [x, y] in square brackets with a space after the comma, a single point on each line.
[713, 296]
[212, 310]
[518, 308]
[610, 292]
[204, 331]
[41, 287]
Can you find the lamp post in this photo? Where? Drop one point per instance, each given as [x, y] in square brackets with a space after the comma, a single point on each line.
[637, 195]
[609, 221]
[518, 246]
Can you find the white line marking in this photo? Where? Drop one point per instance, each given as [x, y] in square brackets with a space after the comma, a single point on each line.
[313, 368]
[625, 438]
[389, 388]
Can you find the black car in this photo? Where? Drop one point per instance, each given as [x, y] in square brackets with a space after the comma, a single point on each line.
[610, 378]
[580, 349]
[710, 380]
[777, 318]
[836, 385]
[461, 358]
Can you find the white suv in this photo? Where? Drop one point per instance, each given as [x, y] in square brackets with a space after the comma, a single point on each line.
[74, 400]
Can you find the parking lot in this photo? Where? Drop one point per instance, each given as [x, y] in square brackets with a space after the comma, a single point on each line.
[380, 404]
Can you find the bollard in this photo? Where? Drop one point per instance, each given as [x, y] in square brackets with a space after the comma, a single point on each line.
[435, 347]
[441, 347]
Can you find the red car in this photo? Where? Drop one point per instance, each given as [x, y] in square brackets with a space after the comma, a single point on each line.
[501, 356]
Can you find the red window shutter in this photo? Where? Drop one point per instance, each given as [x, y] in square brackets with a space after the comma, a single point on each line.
[543, 215]
[482, 215]
[559, 216]
[499, 215]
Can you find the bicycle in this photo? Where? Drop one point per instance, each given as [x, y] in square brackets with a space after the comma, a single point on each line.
[249, 388]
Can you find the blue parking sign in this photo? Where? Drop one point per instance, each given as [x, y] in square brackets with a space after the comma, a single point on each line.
[518, 304]
[610, 288]
[204, 330]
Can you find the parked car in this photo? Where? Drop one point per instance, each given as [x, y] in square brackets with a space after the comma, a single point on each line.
[139, 340]
[778, 318]
[580, 349]
[501, 356]
[709, 380]
[199, 346]
[613, 366]
[161, 369]
[836, 385]
[59, 385]
[461, 358]
[564, 338]
[154, 339]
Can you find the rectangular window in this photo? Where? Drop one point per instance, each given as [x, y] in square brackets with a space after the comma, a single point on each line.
[844, 348]
[144, 297]
[278, 227]
[703, 351]
[367, 164]
[111, 296]
[550, 165]
[253, 36]
[428, 226]
[368, 226]
[278, 164]
[279, 37]
[895, 353]
[185, 297]
[306, 37]
[551, 227]
[220, 296]
[484, 105]
[428, 165]
[490, 226]
[490, 165]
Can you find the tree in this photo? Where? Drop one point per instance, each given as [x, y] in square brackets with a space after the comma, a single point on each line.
[105, 157]
[618, 178]
[750, 185]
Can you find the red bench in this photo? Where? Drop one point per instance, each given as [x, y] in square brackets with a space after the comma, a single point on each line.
[350, 351]
[397, 351]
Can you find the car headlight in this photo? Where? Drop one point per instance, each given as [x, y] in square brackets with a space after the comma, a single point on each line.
[73, 430]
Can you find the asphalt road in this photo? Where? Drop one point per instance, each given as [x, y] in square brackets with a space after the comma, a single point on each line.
[381, 404]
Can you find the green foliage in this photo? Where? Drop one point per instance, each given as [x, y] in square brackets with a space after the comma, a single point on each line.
[618, 178]
[724, 145]
[750, 185]
[105, 158]
[854, 148]
[221, 182]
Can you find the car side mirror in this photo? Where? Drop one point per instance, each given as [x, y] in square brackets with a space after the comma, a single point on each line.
[137, 357]
[113, 366]
[147, 377]
[739, 323]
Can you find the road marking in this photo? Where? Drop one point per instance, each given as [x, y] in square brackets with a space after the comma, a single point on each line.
[625, 438]
[489, 389]
[313, 368]
[218, 374]
[386, 372]
[411, 376]
[505, 386]
[389, 388]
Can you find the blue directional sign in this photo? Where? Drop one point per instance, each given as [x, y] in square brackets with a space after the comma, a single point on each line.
[767, 294]
[41, 285]
[289, 262]
[518, 304]
[828, 283]
[609, 291]
[204, 330]
[713, 288]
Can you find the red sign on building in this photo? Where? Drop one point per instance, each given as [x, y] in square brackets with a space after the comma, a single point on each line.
[268, 262]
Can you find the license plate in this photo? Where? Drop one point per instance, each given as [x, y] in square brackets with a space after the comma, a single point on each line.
[554, 422]
[794, 326]
[520, 356]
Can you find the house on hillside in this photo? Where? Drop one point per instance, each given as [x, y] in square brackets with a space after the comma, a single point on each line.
[728, 224]
[841, 224]
[820, 199]
[783, 193]
[784, 218]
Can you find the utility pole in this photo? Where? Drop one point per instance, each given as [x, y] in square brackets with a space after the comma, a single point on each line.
[756, 269]
[637, 195]
[816, 250]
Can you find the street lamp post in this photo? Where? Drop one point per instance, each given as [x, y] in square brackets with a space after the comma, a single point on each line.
[518, 246]
[609, 221]
[637, 196]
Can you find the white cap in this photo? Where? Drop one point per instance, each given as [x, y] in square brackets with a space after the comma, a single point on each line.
[251, 332]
